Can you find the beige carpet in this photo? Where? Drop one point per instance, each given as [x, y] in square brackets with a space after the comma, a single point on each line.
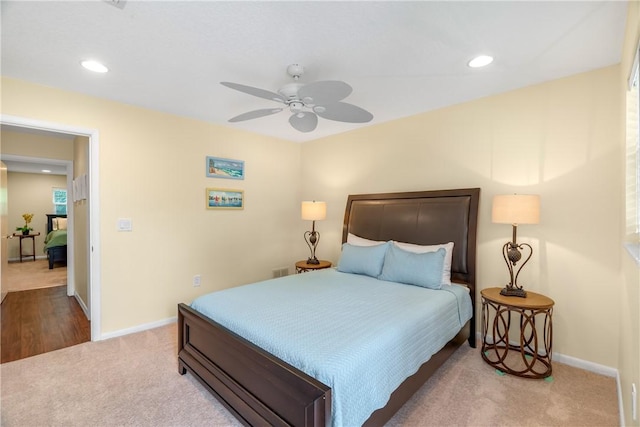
[134, 381]
[29, 274]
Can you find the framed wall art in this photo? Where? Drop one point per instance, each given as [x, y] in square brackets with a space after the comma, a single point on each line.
[225, 198]
[217, 167]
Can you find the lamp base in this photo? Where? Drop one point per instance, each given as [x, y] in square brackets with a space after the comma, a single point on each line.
[313, 261]
[513, 292]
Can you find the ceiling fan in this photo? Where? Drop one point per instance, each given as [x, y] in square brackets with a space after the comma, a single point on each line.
[305, 101]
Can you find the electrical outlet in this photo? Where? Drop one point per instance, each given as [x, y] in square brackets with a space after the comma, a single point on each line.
[196, 280]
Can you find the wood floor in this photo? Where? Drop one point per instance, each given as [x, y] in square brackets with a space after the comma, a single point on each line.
[40, 320]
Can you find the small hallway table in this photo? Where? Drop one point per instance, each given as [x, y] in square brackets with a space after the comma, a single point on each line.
[33, 244]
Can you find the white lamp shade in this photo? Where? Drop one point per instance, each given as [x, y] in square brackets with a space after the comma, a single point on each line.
[314, 211]
[516, 209]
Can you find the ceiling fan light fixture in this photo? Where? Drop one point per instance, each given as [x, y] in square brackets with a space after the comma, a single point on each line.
[306, 102]
[480, 61]
[296, 107]
[290, 91]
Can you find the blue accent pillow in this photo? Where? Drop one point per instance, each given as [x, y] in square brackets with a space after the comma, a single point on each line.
[365, 260]
[414, 269]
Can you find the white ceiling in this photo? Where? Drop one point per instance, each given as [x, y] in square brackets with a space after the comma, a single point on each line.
[401, 58]
[29, 166]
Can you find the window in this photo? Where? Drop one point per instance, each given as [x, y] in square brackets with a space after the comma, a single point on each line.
[632, 175]
[60, 201]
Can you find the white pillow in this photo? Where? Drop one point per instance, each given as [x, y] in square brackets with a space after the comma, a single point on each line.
[59, 224]
[420, 249]
[354, 240]
[62, 224]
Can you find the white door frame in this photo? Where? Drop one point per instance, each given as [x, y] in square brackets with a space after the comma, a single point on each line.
[94, 206]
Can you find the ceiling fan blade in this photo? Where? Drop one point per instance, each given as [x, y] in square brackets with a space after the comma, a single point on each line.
[260, 93]
[255, 114]
[343, 112]
[304, 122]
[324, 92]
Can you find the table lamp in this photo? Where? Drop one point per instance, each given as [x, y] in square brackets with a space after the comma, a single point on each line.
[515, 209]
[313, 211]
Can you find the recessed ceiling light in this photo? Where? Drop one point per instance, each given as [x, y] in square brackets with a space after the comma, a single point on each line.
[46, 171]
[480, 61]
[94, 66]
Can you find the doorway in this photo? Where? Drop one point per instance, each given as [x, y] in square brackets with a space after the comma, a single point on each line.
[34, 185]
[93, 255]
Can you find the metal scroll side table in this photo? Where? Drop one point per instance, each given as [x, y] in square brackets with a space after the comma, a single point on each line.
[530, 356]
[303, 266]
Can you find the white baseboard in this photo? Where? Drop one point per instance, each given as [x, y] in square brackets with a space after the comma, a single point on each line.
[29, 256]
[620, 401]
[139, 328]
[587, 366]
[83, 306]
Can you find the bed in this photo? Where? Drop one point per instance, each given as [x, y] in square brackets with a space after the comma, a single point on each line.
[262, 389]
[55, 243]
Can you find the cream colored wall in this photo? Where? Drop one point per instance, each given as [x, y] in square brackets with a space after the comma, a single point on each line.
[81, 222]
[629, 297]
[30, 193]
[36, 145]
[152, 171]
[560, 139]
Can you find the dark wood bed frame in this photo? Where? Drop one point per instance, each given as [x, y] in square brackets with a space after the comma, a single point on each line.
[260, 389]
[58, 253]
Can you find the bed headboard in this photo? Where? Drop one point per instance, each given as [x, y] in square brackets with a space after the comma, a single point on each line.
[423, 218]
[50, 218]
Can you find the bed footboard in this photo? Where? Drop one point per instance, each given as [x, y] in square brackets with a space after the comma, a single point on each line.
[258, 388]
[57, 254]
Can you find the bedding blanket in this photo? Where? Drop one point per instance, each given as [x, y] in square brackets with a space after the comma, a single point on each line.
[359, 335]
[55, 238]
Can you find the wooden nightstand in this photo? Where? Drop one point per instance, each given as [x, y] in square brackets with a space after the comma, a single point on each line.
[302, 266]
[531, 355]
[33, 244]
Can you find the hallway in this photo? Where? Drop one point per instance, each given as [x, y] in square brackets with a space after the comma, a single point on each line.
[36, 321]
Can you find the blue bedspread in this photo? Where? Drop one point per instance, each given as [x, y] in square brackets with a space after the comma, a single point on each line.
[360, 336]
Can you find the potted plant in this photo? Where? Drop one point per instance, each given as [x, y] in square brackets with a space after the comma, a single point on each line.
[25, 228]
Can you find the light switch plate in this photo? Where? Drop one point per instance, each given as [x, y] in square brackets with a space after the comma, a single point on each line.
[124, 224]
